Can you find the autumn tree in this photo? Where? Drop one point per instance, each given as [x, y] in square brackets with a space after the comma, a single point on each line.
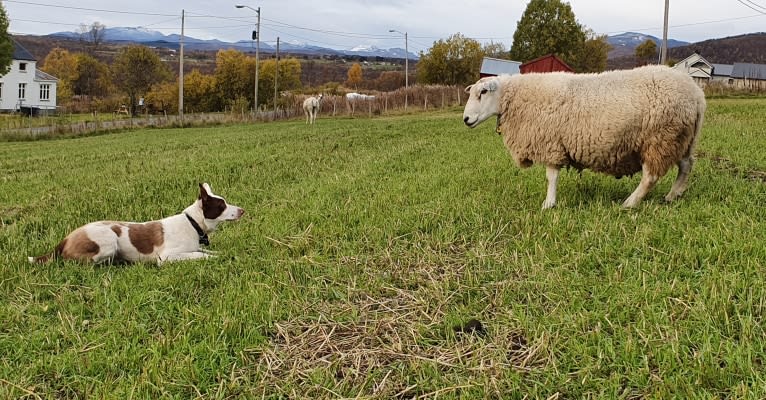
[234, 75]
[63, 65]
[354, 75]
[135, 69]
[495, 50]
[547, 27]
[90, 77]
[646, 51]
[200, 93]
[592, 56]
[6, 45]
[289, 77]
[163, 97]
[455, 61]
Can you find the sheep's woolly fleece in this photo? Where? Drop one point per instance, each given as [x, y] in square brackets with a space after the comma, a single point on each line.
[609, 122]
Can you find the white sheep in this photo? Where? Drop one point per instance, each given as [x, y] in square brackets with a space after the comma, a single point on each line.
[353, 97]
[617, 123]
[311, 108]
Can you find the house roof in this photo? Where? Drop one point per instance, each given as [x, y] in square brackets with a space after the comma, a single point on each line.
[749, 71]
[694, 58]
[42, 76]
[722, 69]
[496, 66]
[20, 53]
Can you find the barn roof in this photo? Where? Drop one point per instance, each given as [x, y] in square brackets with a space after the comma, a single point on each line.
[722, 69]
[749, 71]
[496, 66]
[552, 58]
[20, 53]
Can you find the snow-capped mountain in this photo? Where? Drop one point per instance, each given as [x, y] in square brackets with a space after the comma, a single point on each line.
[158, 39]
[633, 39]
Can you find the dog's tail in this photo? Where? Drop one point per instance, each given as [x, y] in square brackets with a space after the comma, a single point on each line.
[46, 258]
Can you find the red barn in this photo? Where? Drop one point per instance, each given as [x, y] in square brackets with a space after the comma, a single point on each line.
[549, 63]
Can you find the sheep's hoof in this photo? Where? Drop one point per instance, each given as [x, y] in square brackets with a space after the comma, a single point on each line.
[630, 204]
[670, 197]
[548, 204]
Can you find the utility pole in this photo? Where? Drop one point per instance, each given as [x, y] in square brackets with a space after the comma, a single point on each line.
[257, 38]
[257, 50]
[276, 75]
[664, 50]
[181, 72]
[406, 64]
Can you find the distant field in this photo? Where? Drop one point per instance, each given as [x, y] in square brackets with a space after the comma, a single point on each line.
[368, 247]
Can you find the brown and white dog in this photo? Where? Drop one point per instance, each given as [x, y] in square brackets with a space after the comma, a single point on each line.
[170, 239]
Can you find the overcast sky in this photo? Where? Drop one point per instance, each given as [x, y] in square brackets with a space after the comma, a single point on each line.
[345, 24]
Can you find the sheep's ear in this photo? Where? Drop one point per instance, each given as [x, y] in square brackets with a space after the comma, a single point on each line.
[491, 85]
[468, 88]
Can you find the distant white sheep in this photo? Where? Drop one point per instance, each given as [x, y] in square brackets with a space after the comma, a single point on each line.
[311, 108]
[352, 98]
[617, 123]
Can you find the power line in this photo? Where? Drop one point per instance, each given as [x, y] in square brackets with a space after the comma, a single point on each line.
[685, 25]
[88, 9]
[748, 5]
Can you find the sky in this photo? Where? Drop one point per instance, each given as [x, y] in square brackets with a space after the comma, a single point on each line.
[346, 24]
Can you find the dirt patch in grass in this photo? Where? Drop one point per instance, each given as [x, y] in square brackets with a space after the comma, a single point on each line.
[735, 170]
[373, 344]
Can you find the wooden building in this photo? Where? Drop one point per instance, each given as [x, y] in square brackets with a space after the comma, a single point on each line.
[547, 63]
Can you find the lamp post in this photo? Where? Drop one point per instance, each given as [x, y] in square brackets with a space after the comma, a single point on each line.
[257, 38]
[406, 64]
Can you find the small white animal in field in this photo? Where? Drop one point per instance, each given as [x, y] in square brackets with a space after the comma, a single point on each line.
[617, 122]
[311, 108]
[170, 239]
[353, 97]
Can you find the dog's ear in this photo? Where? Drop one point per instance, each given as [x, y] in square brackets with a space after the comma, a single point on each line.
[203, 195]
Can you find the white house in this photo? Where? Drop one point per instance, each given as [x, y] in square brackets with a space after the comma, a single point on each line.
[738, 75]
[697, 67]
[24, 87]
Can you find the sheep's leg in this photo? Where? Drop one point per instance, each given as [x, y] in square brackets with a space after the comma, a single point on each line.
[679, 186]
[648, 180]
[552, 173]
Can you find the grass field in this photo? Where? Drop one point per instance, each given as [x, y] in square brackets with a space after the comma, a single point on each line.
[369, 251]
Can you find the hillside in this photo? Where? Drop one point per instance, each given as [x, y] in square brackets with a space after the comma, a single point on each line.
[742, 48]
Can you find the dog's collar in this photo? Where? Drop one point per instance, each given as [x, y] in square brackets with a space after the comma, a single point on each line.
[203, 239]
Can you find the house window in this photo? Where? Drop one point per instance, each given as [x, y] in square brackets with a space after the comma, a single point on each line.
[731, 81]
[22, 91]
[45, 92]
[23, 67]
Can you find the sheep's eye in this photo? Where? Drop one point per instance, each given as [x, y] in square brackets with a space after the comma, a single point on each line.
[483, 91]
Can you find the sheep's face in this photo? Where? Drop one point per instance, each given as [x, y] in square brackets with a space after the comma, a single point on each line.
[483, 101]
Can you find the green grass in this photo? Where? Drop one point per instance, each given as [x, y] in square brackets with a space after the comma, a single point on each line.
[365, 243]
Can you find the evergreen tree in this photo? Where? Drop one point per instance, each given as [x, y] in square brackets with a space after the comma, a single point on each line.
[548, 27]
[6, 45]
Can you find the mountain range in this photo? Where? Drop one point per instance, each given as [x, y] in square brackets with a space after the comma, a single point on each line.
[622, 44]
[158, 39]
[625, 44]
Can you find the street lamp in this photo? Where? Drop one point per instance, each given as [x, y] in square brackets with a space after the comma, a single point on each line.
[406, 64]
[257, 38]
